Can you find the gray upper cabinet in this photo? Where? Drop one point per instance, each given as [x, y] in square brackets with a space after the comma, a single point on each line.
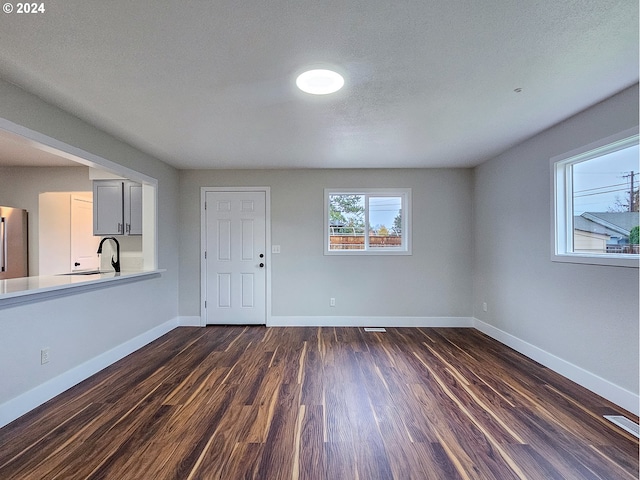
[132, 208]
[117, 207]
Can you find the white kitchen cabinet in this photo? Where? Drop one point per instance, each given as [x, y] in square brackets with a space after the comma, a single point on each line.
[117, 207]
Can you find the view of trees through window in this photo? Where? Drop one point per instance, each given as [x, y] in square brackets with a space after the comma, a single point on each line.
[364, 222]
[606, 203]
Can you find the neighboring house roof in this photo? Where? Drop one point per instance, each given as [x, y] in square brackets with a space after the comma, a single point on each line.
[585, 225]
[614, 224]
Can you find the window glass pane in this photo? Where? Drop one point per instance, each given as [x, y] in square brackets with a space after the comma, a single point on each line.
[346, 222]
[370, 221]
[385, 222]
[605, 203]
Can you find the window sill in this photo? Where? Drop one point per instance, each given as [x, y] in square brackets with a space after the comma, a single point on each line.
[29, 289]
[609, 261]
[356, 253]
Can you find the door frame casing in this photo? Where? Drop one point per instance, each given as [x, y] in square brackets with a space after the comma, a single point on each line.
[203, 246]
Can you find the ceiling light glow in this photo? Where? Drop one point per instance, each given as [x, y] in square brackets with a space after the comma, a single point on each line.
[320, 82]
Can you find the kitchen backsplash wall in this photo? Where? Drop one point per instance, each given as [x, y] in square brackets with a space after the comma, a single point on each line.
[130, 253]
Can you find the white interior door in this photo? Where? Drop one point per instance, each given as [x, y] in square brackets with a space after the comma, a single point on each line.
[235, 264]
[83, 244]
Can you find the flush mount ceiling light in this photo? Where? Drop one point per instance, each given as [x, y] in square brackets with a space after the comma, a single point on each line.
[320, 82]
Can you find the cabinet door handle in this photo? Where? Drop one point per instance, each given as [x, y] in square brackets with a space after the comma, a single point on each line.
[128, 227]
[119, 228]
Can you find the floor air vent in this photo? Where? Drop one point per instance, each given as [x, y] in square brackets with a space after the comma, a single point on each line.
[374, 329]
[624, 422]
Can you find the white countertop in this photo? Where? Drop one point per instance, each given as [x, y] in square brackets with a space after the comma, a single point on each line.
[18, 290]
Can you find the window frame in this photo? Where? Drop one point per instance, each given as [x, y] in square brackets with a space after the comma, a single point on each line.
[562, 202]
[404, 193]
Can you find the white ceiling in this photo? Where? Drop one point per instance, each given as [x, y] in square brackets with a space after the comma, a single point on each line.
[211, 84]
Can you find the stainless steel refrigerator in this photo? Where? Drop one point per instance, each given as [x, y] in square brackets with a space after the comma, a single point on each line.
[14, 261]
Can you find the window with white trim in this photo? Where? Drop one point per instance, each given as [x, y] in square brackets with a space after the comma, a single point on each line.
[367, 221]
[596, 205]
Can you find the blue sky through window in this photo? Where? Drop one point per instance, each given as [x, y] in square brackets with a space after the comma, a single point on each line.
[383, 210]
[599, 182]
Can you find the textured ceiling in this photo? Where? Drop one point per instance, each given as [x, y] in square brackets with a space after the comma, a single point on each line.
[211, 84]
[17, 151]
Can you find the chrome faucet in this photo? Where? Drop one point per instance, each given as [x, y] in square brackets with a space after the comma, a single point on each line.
[114, 263]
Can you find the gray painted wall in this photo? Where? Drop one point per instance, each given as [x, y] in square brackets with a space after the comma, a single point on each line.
[434, 281]
[586, 315]
[79, 327]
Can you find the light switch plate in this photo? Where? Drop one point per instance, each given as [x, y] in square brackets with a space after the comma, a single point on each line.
[275, 248]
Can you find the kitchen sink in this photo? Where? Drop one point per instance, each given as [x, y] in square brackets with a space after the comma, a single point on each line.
[85, 272]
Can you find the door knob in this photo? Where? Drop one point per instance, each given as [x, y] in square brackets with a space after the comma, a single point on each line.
[262, 255]
[261, 265]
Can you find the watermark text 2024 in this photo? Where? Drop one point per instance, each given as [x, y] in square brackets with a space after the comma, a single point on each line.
[24, 8]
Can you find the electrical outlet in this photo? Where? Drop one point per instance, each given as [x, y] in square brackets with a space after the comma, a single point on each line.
[332, 302]
[44, 356]
[484, 306]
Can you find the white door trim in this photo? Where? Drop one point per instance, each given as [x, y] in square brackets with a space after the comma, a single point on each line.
[203, 243]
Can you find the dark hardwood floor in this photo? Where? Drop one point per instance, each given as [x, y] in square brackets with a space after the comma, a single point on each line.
[321, 403]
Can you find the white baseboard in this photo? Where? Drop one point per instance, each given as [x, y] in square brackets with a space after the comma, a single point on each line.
[190, 321]
[618, 395]
[18, 406]
[320, 321]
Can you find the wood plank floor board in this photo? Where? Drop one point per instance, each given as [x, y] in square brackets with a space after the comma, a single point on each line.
[418, 417]
[564, 407]
[372, 378]
[537, 466]
[579, 423]
[552, 442]
[292, 361]
[406, 460]
[311, 458]
[474, 448]
[339, 424]
[214, 459]
[618, 460]
[249, 376]
[341, 461]
[442, 466]
[110, 425]
[454, 387]
[200, 386]
[312, 378]
[216, 453]
[47, 416]
[238, 402]
[112, 465]
[244, 462]
[264, 406]
[52, 446]
[283, 432]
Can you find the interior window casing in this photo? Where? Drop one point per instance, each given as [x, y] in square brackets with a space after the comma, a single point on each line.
[563, 215]
[386, 218]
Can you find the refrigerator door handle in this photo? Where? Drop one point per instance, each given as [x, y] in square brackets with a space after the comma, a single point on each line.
[3, 246]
